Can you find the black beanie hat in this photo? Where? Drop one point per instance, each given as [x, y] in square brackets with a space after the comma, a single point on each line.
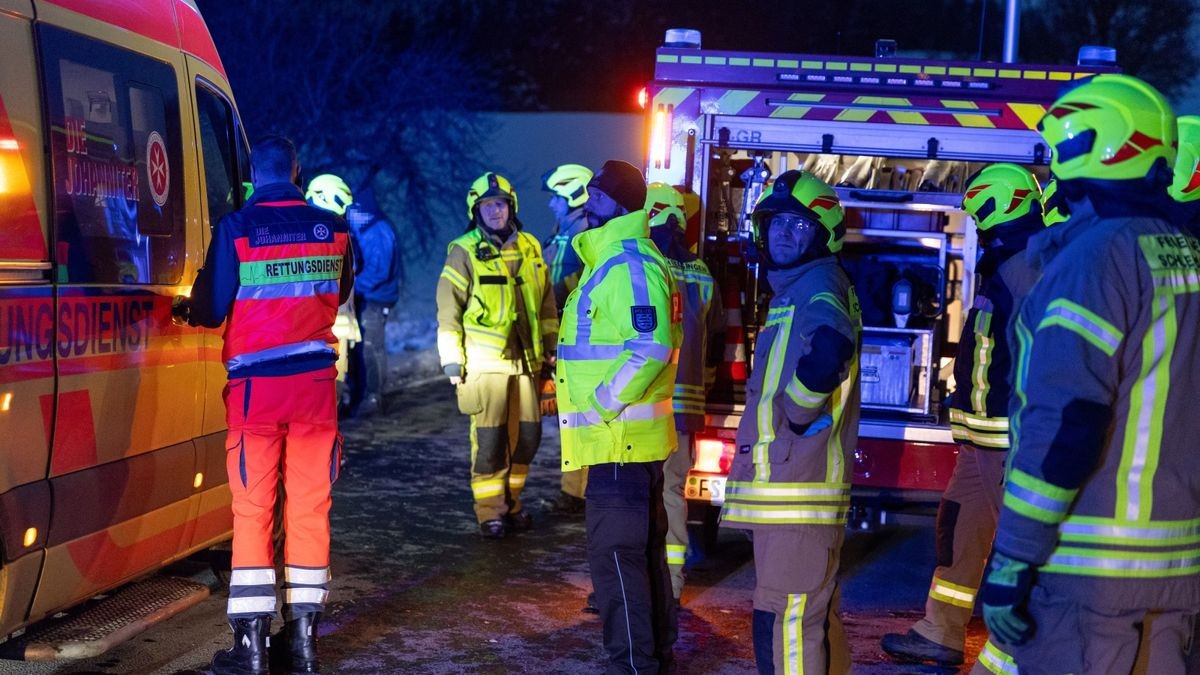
[623, 182]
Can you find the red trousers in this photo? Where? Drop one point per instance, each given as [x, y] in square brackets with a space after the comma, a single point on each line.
[281, 428]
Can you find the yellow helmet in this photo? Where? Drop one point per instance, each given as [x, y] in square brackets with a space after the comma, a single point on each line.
[1054, 207]
[569, 181]
[1001, 193]
[1110, 127]
[802, 193]
[1186, 185]
[487, 186]
[662, 202]
[329, 192]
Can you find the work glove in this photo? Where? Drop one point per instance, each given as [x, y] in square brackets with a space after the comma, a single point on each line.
[1005, 596]
[549, 400]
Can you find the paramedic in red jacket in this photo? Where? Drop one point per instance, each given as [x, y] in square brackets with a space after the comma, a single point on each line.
[275, 274]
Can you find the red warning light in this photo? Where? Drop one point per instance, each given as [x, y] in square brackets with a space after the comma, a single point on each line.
[642, 98]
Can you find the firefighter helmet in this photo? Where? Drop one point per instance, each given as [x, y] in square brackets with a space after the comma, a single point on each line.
[487, 186]
[662, 202]
[329, 192]
[1186, 185]
[568, 181]
[1054, 205]
[1001, 193]
[1110, 127]
[802, 193]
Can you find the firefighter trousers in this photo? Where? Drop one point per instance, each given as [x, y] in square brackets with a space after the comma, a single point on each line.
[797, 627]
[675, 471]
[1074, 637]
[281, 428]
[626, 528]
[505, 436]
[966, 525]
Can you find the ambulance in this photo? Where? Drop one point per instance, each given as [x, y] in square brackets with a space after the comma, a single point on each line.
[119, 145]
[898, 137]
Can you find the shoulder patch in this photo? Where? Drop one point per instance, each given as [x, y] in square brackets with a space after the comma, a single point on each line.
[645, 318]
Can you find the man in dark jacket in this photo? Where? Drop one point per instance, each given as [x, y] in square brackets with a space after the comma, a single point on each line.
[1094, 565]
[376, 290]
[1003, 199]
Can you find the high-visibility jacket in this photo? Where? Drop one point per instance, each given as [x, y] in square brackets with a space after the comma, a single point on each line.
[701, 325]
[1103, 488]
[565, 265]
[495, 308]
[796, 439]
[618, 350]
[278, 269]
[979, 404]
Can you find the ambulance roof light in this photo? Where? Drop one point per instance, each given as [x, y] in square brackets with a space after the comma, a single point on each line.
[682, 38]
[1097, 55]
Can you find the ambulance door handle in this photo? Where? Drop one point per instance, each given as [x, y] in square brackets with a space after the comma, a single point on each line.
[181, 310]
[888, 196]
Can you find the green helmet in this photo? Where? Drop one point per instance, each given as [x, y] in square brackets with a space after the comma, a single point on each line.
[662, 202]
[329, 192]
[1186, 185]
[802, 193]
[487, 186]
[1054, 207]
[569, 181]
[1001, 193]
[1110, 127]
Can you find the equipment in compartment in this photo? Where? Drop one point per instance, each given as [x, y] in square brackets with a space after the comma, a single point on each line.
[887, 365]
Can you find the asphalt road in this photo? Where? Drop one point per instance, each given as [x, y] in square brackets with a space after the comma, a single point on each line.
[416, 590]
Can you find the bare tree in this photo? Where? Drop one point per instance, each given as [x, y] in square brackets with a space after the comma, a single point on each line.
[1151, 36]
[368, 90]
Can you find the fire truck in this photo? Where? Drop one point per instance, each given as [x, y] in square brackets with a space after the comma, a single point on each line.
[119, 144]
[898, 137]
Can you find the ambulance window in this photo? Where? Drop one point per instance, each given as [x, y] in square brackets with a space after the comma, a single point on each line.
[218, 148]
[117, 162]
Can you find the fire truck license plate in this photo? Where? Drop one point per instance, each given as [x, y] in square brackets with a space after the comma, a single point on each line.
[705, 487]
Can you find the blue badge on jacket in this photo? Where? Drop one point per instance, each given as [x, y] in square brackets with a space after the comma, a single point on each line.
[645, 319]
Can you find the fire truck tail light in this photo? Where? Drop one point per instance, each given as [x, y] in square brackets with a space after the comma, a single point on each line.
[714, 455]
[6, 401]
[660, 137]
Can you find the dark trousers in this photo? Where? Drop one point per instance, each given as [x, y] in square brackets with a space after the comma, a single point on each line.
[368, 358]
[626, 543]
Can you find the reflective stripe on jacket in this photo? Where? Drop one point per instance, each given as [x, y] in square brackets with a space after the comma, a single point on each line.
[278, 269]
[979, 404]
[495, 309]
[1102, 491]
[618, 350]
[695, 285]
[565, 265]
[796, 439]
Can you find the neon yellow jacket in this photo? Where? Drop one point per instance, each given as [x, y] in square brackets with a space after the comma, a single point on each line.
[618, 350]
[495, 306]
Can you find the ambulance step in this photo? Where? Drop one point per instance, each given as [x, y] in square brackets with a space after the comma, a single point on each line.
[106, 622]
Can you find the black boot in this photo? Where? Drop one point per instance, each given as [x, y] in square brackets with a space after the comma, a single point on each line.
[248, 656]
[295, 649]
